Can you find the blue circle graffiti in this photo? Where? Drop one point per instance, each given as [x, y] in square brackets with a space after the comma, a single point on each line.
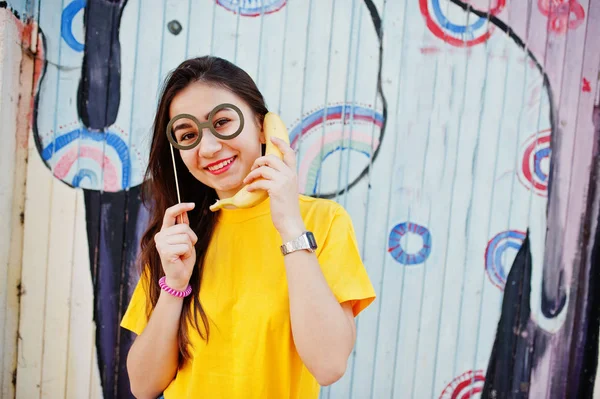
[495, 251]
[437, 14]
[399, 253]
[444, 22]
[539, 156]
[66, 24]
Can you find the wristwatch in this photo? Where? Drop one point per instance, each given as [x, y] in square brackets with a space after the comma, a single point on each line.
[305, 242]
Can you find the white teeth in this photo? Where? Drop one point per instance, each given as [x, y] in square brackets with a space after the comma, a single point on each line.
[220, 165]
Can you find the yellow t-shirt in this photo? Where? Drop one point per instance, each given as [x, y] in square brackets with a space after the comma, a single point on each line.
[250, 352]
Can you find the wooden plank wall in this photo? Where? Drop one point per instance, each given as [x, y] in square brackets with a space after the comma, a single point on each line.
[10, 57]
[16, 69]
[434, 122]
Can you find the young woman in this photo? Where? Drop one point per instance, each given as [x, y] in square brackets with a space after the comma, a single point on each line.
[222, 310]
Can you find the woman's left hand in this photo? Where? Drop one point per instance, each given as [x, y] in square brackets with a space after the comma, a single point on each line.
[278, 178]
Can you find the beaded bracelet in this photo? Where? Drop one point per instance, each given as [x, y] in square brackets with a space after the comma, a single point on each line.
[174, 292]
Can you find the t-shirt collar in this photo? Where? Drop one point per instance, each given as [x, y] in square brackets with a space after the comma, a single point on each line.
[241, 214]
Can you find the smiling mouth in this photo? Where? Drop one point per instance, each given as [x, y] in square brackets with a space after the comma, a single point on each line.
[221, 166]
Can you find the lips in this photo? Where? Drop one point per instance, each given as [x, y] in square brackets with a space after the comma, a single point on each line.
[220, 166]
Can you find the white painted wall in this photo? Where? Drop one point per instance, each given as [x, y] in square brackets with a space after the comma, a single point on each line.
[459, 123]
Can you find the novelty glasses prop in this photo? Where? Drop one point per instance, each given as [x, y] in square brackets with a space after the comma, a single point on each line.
[184, 131]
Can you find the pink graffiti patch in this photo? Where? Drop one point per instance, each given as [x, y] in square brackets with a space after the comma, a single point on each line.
[109, 176]
[465, 386]
[563, 14]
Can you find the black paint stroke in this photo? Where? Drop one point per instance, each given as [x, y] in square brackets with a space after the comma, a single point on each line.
[4, 4]
[585, 348]
[115, 222]
[38, 93]
[378, 29]
[552, 303]
[509, 368]
[99, 92]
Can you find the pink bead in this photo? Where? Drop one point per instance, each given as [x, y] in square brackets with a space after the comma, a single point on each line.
[180, 294]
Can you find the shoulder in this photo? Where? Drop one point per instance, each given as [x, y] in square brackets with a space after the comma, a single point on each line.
[319, 205]
[322, 211]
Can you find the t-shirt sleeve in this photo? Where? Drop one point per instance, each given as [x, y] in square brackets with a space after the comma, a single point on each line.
[342, 265]
[135, 318]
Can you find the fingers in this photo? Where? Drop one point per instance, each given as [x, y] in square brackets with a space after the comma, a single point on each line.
[176, 251]
[289, 155]
[263, 171]
[180, 229]
[171, 214]
[179, 239]
[271, 161]
[175, 246]
[260, 184]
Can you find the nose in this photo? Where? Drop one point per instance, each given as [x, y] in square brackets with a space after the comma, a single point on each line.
[209, 145]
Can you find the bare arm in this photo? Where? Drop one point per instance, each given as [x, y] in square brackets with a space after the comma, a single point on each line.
[323, 329]
[153, 358]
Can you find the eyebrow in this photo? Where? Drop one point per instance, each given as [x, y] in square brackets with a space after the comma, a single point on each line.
[181, 126]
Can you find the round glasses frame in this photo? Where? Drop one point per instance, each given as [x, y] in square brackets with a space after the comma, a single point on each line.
[205, 125]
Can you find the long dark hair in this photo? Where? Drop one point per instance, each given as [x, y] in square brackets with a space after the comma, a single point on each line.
[159, 187]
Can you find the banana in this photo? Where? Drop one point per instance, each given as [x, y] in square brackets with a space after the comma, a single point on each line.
[273, 126]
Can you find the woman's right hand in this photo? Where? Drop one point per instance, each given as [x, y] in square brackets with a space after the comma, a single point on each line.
[175, 246]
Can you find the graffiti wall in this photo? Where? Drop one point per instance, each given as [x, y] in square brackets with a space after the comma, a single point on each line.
[459, 136]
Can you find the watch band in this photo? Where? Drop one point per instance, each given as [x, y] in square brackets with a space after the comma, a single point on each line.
[306, 241]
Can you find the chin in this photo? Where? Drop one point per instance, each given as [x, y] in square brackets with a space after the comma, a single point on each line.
[232, 188]
[229, 184]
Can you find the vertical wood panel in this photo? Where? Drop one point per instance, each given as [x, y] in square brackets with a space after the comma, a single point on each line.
[33, 278]
[80, 364]
[14, 89]
[58, 305]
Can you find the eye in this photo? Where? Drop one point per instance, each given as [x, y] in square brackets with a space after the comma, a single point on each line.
[222, 122]
[187, 136]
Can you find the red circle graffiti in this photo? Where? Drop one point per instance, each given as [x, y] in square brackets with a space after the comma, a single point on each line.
[440, 33]
[464, 386]
[527, 175]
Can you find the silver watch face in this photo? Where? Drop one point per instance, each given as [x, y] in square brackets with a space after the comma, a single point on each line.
[311, 240]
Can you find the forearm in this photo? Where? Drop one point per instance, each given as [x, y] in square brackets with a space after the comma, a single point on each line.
[322, 332]
[153, 357]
